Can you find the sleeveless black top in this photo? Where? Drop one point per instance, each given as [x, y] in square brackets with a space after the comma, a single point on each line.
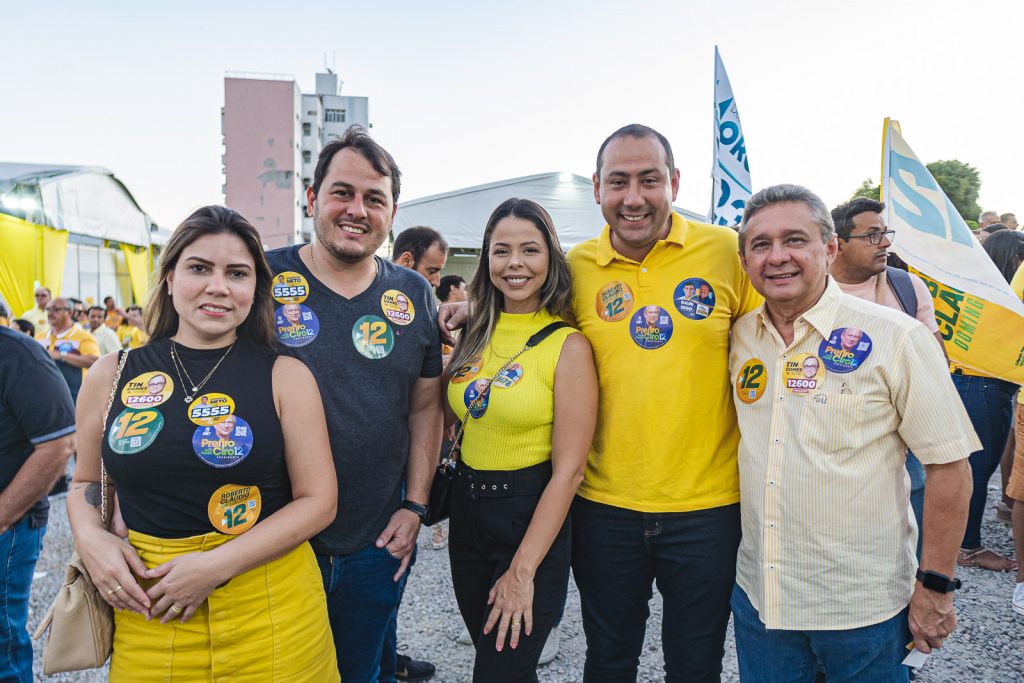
[214, 464]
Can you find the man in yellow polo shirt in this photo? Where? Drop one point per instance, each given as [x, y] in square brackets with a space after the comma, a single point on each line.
[659, 499]
[72, 348]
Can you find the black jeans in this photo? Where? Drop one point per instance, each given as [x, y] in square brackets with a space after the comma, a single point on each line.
[618, 553]
[485, 531]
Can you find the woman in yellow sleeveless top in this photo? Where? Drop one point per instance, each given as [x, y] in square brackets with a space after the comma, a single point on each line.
[219, 452]
[529, 416]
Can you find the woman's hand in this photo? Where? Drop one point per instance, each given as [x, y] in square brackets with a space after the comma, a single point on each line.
[111, 563]
[183, 584]
[512, 597]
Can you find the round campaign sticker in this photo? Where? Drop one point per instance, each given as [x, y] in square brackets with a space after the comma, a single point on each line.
[694, 298]
[397, 307]
[224, 444]
[468, 371]
[614, 301]
[651, 327]
[845, 350]
[290, 288]
[297, 325]
[803, 373]
[373, 337]
[509, 376]
[233, 508]
[134, 430]
[752, 381]
[209, 409]
[478, 388]
[148, 389]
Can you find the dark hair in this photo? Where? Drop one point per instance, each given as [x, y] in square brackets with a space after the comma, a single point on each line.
[417, 241]
[637, 130]
[778, 194]
[360, 141]
[162, 319]
[26, 327]
[96, 308]
[109, 298]
[447, 284]
[1006, 249]
[994, 227]
[842, 215]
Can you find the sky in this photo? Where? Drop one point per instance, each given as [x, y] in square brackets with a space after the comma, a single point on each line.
[464, 93]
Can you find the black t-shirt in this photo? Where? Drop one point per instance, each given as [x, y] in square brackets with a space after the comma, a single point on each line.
[35, 406]
[214, 464]
[366, 353]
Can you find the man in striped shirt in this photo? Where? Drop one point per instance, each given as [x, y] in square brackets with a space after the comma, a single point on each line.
[826, 566]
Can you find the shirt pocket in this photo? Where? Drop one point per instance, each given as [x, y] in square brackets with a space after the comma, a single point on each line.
[829, 423]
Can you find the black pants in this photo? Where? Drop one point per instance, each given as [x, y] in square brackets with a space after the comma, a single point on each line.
[486, 529]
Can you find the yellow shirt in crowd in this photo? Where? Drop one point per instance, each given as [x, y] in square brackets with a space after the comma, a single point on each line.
[37, 318]
[73, 341]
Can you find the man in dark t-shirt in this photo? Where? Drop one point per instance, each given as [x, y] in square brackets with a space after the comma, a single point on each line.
[37, 425]
[367, 330]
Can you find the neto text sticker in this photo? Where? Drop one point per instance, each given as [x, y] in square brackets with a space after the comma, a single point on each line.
[651, 327]
[290, 288]
[803, 373]
[397, 307]
[146, 390]
[694, 298]
[509, 376]
[134, 430]
[224, 444]
[233, 508]
[480, 389]
[209, 409]
[614, 301]
[296, 324]
[373, 337]
[752, 381]
[845, 350]
[468, 371]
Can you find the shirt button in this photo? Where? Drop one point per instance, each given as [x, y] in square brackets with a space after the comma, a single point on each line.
[776, 440]
[771, 482]
[780, 397]
[643, 270]
[771, 567]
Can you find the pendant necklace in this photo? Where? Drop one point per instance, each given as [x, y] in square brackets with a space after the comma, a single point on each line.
[176, 360]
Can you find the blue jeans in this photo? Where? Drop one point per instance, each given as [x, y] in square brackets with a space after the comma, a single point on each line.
[618, 553]
[870, 653]
[360, 600]
[989, 404]
[389, 654]
[916, 471]
[19, 550]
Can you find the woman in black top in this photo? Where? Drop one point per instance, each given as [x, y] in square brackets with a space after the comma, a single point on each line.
[219, 452]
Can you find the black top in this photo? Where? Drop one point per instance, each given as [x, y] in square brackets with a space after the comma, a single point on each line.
[366, 353]
[215, 464]
[35, 406]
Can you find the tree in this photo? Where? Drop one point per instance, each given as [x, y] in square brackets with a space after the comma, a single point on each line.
[961, 183]
[869, 190]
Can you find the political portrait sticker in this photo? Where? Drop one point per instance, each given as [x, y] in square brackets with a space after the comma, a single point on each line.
[290, 288]
[468, 371]
[614, 301]
[845, 350]
[651, 327]
[147, 390]
[233, 508]
[480, 387]
[297, 325]
[803, 373]
[224, 444]
[509, 376]
[752, 381]
[397, 307]
[373, 337]
[209, 409]
[694, 298]
[134, 430]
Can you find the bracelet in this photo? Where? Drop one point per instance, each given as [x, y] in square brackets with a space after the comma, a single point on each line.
[416, 508]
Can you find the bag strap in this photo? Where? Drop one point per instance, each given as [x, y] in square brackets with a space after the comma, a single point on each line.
[123, 356]
[903, 288]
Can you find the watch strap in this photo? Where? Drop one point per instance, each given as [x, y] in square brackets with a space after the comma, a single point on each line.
[940, 583]
[418, 509]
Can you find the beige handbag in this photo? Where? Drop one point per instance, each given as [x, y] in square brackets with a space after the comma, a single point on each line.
[81, 622]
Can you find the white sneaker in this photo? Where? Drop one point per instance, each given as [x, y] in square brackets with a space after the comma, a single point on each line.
[550, 650]
[1018, 598]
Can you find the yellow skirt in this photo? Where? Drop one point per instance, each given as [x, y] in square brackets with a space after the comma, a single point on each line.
[268, 624]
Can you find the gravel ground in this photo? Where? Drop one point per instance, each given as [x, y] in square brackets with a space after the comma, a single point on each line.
[988, 646]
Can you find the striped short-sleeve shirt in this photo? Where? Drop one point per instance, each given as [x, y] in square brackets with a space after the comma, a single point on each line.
[828, 535]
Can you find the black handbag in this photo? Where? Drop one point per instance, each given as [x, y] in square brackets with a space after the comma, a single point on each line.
[439, 505]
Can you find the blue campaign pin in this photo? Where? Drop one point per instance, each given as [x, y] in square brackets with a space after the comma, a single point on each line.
[651, 327]
[224, 444]
[480, 392]
[296, 324]
[845, 350]
[694, 298]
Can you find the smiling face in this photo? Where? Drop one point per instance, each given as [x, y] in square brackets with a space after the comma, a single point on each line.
[687, 292]
[292, 313]
[212, 286]
[226, 428]
[518, 263]
[651, 314]
[810, 367]
[156, 384]
[705, 291]
[850, 337]
[636, 189]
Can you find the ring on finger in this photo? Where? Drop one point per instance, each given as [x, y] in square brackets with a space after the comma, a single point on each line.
[115, 589]
[175, 609]
[515, 622]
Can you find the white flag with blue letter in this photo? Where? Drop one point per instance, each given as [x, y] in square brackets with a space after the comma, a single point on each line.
[730, 172]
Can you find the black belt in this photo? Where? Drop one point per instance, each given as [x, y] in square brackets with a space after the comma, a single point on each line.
[528, 481]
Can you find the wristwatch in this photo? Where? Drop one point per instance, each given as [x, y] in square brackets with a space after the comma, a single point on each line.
[940, 583]
[416, 508]
[63, 356]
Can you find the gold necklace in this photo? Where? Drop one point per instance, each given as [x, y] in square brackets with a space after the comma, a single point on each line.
[195, 387]
[312, 260]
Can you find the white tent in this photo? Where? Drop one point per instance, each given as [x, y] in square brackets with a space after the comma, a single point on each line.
[461, 215]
